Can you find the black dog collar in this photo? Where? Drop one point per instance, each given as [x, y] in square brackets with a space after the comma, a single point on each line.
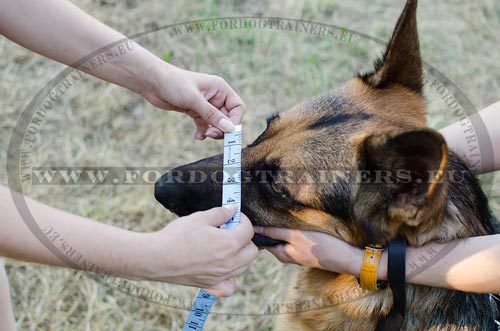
[396, 274]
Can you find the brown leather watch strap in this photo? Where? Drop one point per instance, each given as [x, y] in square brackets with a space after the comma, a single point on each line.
[369, 268]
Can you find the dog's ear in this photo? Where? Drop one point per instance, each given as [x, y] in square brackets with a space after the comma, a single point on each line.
[400, 179]
[401, 63]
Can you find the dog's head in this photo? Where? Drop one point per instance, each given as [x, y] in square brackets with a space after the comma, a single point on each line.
[357, 162]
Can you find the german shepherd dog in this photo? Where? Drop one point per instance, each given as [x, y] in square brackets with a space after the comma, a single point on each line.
[393, 177]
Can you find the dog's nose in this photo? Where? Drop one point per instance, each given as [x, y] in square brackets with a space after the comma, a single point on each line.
[176, 194]
[191, 187]
[166, 193]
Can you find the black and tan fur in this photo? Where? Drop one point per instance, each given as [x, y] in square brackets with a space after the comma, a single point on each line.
[375, 123]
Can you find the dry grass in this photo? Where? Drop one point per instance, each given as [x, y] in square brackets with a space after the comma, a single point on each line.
[98, 124]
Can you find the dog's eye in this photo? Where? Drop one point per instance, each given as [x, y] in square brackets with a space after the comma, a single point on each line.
[278, 188]
[275, 179]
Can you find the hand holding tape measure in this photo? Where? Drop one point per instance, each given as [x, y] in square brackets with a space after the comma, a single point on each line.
[231, 195]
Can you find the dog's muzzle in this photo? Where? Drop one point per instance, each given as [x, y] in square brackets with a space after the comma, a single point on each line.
[197, 186]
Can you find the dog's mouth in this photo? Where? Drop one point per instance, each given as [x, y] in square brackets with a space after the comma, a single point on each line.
[261, 240]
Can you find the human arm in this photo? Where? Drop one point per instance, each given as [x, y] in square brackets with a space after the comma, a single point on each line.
[188, 251]
[61, 31]
[471, 264]
[456, 138]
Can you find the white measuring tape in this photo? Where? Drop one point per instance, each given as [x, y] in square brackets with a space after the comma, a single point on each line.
[231, 195]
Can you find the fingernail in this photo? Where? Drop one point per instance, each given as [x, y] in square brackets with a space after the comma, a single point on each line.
[226, 125]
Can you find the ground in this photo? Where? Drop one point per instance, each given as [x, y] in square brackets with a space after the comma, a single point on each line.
[98, 124]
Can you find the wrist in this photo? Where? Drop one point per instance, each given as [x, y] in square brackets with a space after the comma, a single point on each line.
[354, 267]
[137, 254]
[348, 260]
[132, 67]
[125, 256]
[382, 267]
[150, 257]
[148, 76]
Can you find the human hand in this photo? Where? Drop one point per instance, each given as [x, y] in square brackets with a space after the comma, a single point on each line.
[193, 251]
[208, 99]
[212, 104]
[314, 249]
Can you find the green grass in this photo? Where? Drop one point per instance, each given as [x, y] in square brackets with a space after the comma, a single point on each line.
[98, 124]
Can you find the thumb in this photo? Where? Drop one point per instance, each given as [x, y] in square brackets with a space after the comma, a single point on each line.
[224, 288]
[212, 115]
[218, 215]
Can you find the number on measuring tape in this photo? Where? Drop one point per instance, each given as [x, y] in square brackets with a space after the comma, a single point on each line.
[231, 195]
[231, 180]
